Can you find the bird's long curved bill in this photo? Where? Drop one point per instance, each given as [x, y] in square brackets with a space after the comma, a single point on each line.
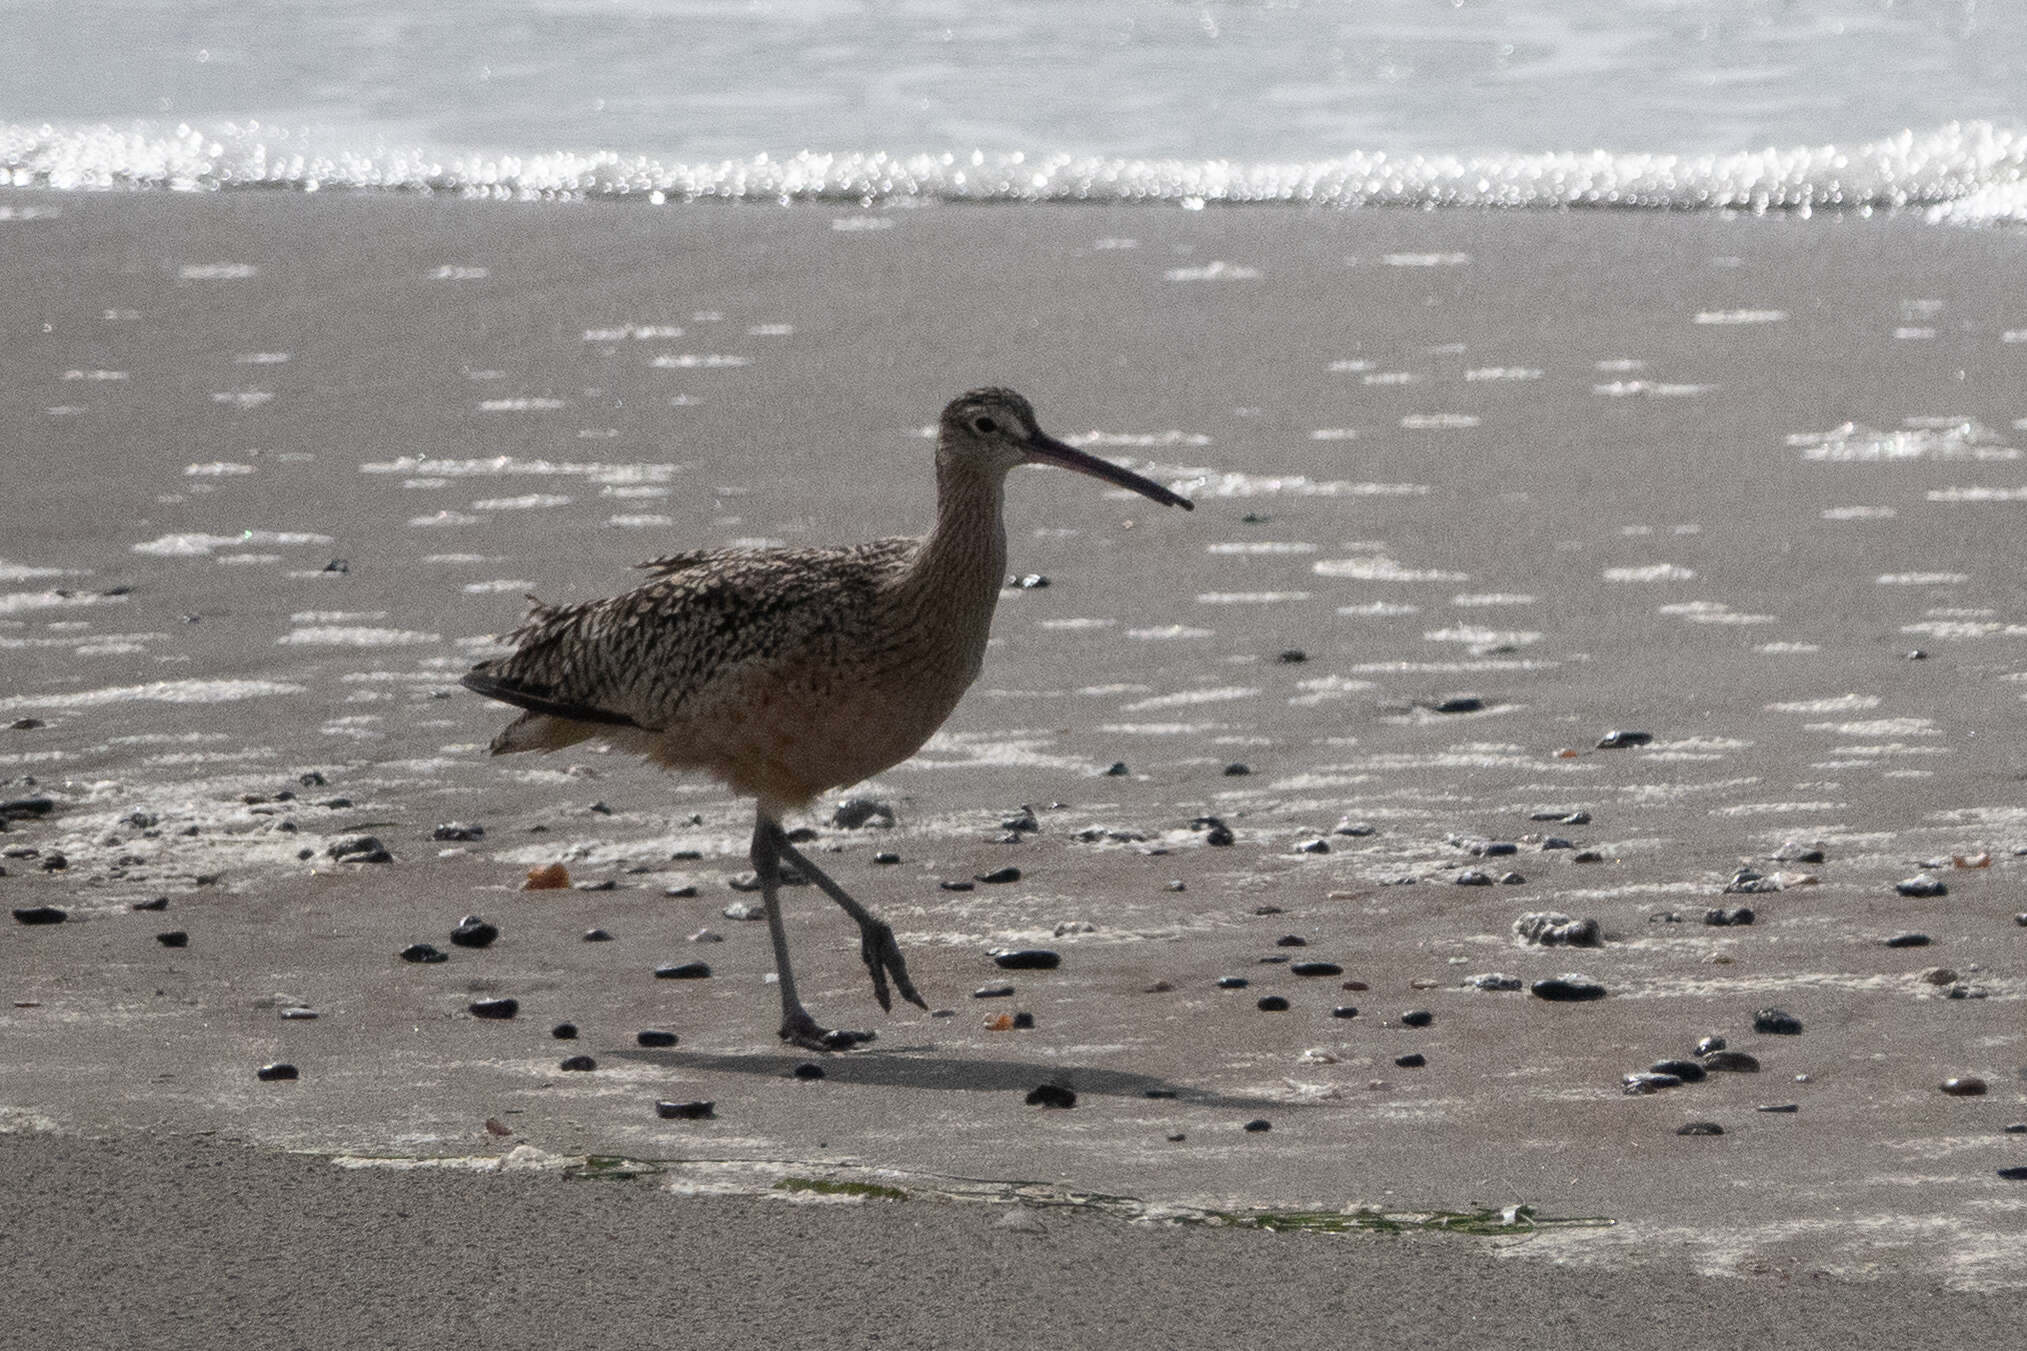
[1048, 450]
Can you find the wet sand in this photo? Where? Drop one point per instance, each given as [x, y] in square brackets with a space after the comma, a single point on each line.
[1593, 471]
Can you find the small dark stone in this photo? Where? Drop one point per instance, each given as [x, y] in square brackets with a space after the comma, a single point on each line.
[992, 992]
[26, 808]
[1025, 959]
[684, 971]
[1023, 1021]
[2021, 919]
[1618, 740]
[652, 1037]
[359, 849]
[54, 863]
[1688, 1071]
[1567, 988]
[1291, 941]
[1117, 770]
[596, 936]
[1491, 848]
[1357, 830]
[1554, 929]
[1779, 1107]
[154, 903]
[279, 1072]
[1313, 847]
[854, 813]
[1291, 656]
[1562, 816]
[1033, 581]
[1257, 1126]
[2014, 1174]
[579, 1064]
[960, 885]
[808, 1069]
[1218, 837]
[1025, 822]
[1731, 1062]
[1776, 1022]
[1237, 769]
[336, 804]
[686, 856]
[1964, 1086]
[1647, 1081]
[1413, 1060]
[1726, 917]
[1000, 875]
[40, 914]
[24, 724]
[600, 808]
[602, 884]
[1700, 1128]
[686, 1111]
[1921, 886]
[1709, 1044]
[505, 1007]
[175, 938]
[1511, 879]
[1750, 882]
[424, 953]
[1345, 1011]
[458, 830]
[473, 932]
[1587, 856]
[1233, 982]
[1316, 969]
[312, 779]
[1417, 1018]
[1796, 851]
[564, 1032]
[1908, 940]
[886, 857]
[1461, 703]
[1496, 981]
[1272, 1003]
[681, 891]
[1471, 877]
[1051, 1095]
[2017, 1128]
[802, 835]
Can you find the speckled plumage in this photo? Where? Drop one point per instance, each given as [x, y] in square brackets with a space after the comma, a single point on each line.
[787, 672]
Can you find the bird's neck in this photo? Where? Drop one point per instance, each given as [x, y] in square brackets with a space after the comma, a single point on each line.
[964, 557]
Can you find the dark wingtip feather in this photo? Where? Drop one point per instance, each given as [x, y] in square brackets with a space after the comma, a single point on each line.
[538, 700]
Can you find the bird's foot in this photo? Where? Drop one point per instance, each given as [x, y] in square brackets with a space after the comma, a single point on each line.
[802, 1030]
[883, 958]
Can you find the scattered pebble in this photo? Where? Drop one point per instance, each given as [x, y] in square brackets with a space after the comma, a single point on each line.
[1568, 987]
[1618, 740]
[1920, 886]
[1458, 703]
[1257, 1126]
[1233, 982]
[1645, 1082]
[808, 1069]
[1159, 987]
[2015, 1174]
[1964, 1086]
[279, 1072]
[683, 971]
[1413, 1060]
[564, 1032]
[1356, 830]
[1290, 656]
[1316, 969]
[40, 914]
[1908, 940]
[1237, 769]
[1700, 1128]
[505, 1007]
[1001, 875]
[992, 992]
[1709, 1044]
[174, 938]
[1023, 1021]
[744, 910]
[1777, 1022]
[1313, 847]
[855, 813]
[652, 1037]
[706, 936]
[1731, 1062]
[1554, 929]
[686, 1111]
[1779, 1107]
[1587, 856]
[1751, 882]
[1117, 770]
[1291, 941]
[458, 830]
[1497, 981]
[359, 849]
[1417, 1018]
[156, 903]
[955, 885]
[1472, 877]
[1939, 975]
[578, 1064]
[1728, 917]
[425, 953]
[1219, 837]
[1688, 1071]
[1345, 1011]
[549, 877]
[474, 932]
[1026, 959]
[1273, 1003]
[299, 1014]
[1796, 851]
[1051, 1095]
[886, 858]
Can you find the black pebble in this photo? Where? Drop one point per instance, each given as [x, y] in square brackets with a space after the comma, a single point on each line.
[1688, 1071]
[580, 1064]
[1709, 1044]
[886, 856]
[1273, 1003]
[1117, 769]
[1779, 1107]
[425, 953]
[1237, 768]
[54, 863]
[564, 1032]
[686, 1111]
[1417, 1018]
[1026, 959]
[505, 1007]
[1777, 1023]
[1279, 959]
[1291, 941]
[1345, 1011]
[1317, 969]
[276, 1073]
[1700, 1128]
[175, 938]
[992, 992]
[1726, 917]
[1922, 886]
[1731, 1062]
[1612, 741]
[1313, 847]
[40, 914]
[808, 1069]
[682, 891]
[1023, 1021]
[158, 903]
[1908, 940]
[458, 830]
[1051, 1095]
[1292, 655]
[473, 932]
[651, 1037]
[1233, 982]
[684, 971]
[597, 936]
[1262, 1124]
[1566, 988]
[1463, 703]
[1218, 837]
[1157, 1092]
[1472, 877]
[2018, 1174]
[1413, 1060]
[998, 875]
[955, 885]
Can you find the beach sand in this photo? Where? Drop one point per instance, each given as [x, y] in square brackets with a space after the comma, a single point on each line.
[1709, 479]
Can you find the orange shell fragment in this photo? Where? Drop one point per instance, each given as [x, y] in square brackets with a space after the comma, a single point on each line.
[549, 877]
[1003, 1023]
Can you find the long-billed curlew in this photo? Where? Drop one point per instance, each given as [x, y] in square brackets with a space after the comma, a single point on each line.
[789, 672]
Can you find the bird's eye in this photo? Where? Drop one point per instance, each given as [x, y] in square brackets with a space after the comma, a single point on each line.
[984, 426]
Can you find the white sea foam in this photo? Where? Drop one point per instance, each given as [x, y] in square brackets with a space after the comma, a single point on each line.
[197, 545]
[160, 691]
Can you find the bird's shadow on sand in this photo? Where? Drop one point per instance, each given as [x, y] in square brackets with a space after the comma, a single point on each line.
[915, 1067]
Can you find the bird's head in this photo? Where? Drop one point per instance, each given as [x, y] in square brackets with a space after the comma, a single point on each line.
[995, 429]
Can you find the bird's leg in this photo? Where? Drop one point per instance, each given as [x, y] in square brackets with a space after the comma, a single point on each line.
[797, 1027]
[876, 937]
